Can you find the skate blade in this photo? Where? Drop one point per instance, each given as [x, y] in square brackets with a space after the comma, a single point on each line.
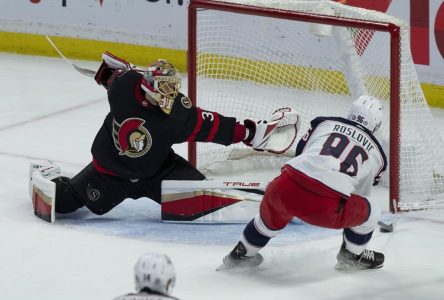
[348, 267]
[222, 267]
[344, 267]
[235, 268]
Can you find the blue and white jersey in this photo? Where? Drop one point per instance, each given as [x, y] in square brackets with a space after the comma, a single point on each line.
[341, 154]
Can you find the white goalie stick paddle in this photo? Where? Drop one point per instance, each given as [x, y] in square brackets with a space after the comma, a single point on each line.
[86, 72]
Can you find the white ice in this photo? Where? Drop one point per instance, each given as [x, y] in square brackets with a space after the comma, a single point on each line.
[48, 110]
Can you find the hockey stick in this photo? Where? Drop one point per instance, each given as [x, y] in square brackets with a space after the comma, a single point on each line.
[86, 72]
[388, 225]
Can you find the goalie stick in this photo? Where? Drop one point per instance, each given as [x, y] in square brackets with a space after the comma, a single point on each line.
[86, 72]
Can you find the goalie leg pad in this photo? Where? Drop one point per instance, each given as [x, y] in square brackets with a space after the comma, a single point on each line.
[209, 201]
[43, 197]
[42, 189]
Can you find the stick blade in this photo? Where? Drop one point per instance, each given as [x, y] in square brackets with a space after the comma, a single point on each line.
[83, 71]
[385, 227]
[222, 267]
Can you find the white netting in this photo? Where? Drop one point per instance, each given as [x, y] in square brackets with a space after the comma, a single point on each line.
[248, 66]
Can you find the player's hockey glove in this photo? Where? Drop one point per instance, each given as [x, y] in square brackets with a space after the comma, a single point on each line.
[111, 67]
[275, 135]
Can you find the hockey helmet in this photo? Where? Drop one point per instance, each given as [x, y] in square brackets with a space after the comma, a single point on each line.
[162, 82]
[155, 272]
[367, 111]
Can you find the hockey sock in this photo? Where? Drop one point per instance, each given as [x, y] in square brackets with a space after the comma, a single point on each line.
[256, 235]
[356, 242]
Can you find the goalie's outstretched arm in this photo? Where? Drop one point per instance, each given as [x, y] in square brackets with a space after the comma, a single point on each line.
[276, 134]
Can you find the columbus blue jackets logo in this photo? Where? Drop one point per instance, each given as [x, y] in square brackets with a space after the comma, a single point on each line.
[131, 138]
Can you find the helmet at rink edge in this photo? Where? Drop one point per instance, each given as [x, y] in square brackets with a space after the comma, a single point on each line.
[367, 111]
[155, 272]
[162, 82]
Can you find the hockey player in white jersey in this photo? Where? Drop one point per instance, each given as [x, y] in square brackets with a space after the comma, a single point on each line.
[337, 162]
[155, 278]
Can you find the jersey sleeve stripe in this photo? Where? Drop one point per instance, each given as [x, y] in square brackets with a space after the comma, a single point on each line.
[215, 127]
[198, 126]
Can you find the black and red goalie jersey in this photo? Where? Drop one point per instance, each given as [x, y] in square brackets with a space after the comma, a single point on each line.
[136, 137]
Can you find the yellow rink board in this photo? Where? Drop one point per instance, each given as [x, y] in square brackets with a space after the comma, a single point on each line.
[84, 49]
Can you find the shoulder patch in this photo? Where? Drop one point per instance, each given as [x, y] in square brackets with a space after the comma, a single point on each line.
[186, 102]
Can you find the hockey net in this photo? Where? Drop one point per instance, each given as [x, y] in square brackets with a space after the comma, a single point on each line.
[249, 57]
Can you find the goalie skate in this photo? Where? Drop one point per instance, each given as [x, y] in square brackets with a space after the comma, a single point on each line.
[366, 260]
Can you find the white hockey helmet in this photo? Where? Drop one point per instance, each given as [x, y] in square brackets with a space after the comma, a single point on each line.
[367, 111]
[155, 272]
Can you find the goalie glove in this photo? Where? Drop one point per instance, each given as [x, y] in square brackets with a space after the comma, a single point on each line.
[276, 135]
[112, 66]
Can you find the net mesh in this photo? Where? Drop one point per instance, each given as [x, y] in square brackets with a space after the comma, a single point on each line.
[248, 66]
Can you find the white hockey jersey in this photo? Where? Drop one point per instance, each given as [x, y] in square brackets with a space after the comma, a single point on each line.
[341, 154]
[144, 296]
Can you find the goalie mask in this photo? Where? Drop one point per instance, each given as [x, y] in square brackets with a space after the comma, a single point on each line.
[155, 272]
[367, 111]
[161, 81]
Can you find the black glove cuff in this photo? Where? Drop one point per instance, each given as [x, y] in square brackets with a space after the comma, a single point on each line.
[251, 126]
[103, 74]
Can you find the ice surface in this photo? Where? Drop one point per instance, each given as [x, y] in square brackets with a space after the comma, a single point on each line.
[48, 110]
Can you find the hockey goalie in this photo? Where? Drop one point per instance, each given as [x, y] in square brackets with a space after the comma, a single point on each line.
[132, 151]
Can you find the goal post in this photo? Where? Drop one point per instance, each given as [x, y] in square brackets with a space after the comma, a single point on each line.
[249, 57]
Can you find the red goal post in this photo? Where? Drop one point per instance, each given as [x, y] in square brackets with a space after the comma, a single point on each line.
[209, 66]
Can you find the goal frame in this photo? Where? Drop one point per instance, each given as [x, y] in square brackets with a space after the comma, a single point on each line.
[395, 52]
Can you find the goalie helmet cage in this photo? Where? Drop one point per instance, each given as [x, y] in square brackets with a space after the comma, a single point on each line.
[250, 57]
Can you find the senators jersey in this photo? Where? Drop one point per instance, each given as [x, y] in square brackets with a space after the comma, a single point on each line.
[341, 154]
[135, 139]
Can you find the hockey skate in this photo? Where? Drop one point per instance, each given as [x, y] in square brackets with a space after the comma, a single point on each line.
[366, 260]
[238, 260]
